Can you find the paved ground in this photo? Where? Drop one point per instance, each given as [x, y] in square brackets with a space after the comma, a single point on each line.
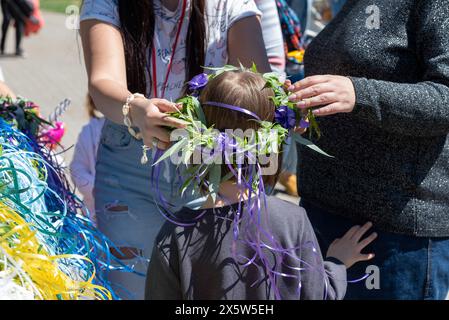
[52, 70]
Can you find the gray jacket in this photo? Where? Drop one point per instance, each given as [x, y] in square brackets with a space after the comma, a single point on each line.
[196, 263]
[391, 162]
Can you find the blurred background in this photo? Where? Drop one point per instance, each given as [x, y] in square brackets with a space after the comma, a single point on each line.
[51, 69]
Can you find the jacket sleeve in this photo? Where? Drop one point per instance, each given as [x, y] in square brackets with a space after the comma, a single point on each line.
[320, 280]
[418, 109]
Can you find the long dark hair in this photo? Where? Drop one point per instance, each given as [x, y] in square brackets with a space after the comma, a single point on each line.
[137, 20]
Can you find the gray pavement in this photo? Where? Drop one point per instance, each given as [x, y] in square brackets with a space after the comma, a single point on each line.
[52, 70]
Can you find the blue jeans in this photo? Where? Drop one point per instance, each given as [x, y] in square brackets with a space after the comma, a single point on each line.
[336, 6]
[409, 268]
[125, 209]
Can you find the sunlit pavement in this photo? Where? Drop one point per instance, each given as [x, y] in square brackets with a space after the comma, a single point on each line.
[51, 71]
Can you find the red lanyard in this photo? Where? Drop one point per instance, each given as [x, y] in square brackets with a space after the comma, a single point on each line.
[170, 64]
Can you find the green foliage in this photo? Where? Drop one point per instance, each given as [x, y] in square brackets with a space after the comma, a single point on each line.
[58, 5]
[22, 114]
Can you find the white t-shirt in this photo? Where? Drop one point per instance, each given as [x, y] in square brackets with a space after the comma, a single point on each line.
[220, 16]
[82, 167]
[272, 34]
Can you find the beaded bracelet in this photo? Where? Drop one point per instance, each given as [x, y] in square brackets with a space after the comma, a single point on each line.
[126, 115]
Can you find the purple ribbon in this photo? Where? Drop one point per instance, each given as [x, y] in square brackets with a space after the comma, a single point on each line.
[234, 108]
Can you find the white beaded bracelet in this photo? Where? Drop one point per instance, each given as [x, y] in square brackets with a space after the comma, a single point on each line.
[126, 115]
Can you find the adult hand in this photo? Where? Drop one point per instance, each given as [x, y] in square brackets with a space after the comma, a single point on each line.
[150, 116]
[328, 94]
[348, 248]
[299, 130]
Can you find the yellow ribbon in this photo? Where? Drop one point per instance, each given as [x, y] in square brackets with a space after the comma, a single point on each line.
[36, 269]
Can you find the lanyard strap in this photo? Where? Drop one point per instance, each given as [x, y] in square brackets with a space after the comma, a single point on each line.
[170, 64]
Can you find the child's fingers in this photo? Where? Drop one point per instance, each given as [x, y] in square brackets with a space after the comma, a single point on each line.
[335, 241]
[351, 232]
[359, 234]
[365, 242]
[366, 257]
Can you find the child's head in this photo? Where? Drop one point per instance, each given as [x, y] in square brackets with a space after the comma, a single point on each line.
[246, 90]
[237, 88]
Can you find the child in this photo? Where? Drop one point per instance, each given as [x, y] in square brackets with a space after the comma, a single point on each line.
[82, 167]
[244, 245]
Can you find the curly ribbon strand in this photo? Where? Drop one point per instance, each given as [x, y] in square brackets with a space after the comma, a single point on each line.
[45, 278]
[57, 253]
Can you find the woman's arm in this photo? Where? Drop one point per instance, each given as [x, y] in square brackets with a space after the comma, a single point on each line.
[5, 91]
[272, 34]
[319, 279]
[419, 109]
[105, 63]
[246, 44]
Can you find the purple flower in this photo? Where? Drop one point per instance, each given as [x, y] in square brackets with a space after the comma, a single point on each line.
[286, 117]
[198, 82]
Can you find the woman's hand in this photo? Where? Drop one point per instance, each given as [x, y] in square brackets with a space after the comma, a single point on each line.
[332, 94]
[150, 116]
[348, 248]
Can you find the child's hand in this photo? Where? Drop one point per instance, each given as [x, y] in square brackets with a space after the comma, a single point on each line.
[348, 248]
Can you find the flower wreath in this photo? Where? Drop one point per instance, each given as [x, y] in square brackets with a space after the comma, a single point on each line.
[270, 137]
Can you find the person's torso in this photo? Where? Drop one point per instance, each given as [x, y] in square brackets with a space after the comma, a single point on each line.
[217, 22]
[385, 177]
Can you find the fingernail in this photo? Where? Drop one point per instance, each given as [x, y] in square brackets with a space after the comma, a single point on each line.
[291, 88]
[292, 97]
[317, 111]
[301, 104]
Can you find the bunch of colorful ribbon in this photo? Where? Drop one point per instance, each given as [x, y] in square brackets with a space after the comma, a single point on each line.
[48, 250]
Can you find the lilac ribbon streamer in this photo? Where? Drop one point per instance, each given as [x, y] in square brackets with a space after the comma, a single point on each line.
[234, 108]
[256, 235]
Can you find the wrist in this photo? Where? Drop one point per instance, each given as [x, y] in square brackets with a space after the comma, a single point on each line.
[128, 111]
[138, 110]
[336, 261]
